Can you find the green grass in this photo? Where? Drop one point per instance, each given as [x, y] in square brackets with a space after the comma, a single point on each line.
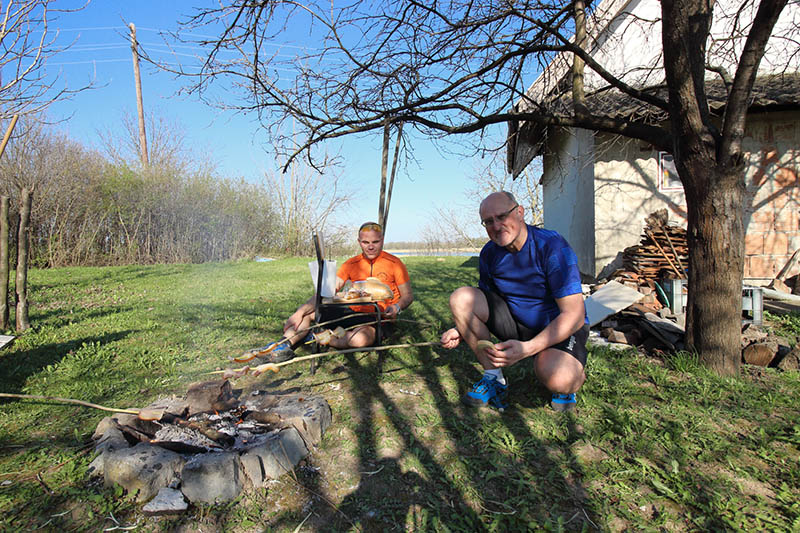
[657, 445]
[786, 325]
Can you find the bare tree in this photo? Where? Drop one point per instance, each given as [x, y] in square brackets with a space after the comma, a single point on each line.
[166, 144]
[526, 187]
[456, 223]
[305, 199]
[458, 67]
[385, 198]
[28, 42]
[91, 211]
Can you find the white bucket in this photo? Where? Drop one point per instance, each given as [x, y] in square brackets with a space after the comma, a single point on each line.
[328, 278]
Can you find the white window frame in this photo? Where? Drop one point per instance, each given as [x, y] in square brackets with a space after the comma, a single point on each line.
[668, 179]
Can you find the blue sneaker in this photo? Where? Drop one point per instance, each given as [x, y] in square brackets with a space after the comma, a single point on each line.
[282, 352]
[563, 402]
[487, 392]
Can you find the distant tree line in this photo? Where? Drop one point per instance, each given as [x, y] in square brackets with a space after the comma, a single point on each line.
[94, 209]
[436, 243]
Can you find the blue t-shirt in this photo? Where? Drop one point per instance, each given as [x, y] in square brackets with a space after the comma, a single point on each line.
[531, 279]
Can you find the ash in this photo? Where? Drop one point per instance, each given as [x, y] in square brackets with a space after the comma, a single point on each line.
[171, 433]
[233, 424]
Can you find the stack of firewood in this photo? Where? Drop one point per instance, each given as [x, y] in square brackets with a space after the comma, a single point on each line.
[662, 251]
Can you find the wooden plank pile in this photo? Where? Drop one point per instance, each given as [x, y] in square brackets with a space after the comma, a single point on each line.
[662, 251]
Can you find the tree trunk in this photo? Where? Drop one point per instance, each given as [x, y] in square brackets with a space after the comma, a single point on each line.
[22, 260]
[384, 165]
[713, 182]
[391, 179]
[4, 228]
[716, 246]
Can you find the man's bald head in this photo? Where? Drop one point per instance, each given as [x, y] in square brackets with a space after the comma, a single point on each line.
[502, 217]
[502, 198]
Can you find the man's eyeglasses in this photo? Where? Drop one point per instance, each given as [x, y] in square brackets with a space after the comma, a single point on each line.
[498, 218]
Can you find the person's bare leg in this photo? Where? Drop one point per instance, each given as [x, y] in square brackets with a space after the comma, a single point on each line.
[292, 333]
[355, 338]
[559, 371]
[470, 312]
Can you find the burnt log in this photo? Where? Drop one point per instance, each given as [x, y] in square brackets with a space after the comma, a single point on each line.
[210, 397]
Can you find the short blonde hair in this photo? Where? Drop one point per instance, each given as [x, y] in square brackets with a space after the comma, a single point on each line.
[370, 226]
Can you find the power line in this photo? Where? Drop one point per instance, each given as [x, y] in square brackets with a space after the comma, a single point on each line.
[88, 61]
[172, 32]
[92, 28]
[126, 60]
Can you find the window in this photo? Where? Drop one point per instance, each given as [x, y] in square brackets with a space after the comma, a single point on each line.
[667, 173]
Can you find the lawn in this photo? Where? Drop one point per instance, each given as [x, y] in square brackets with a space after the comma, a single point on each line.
[657, 445]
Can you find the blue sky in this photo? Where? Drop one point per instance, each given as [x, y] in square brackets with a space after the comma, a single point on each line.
[102, 54]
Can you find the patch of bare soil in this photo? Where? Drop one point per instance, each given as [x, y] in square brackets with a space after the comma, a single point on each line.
[588, 453]
[748, 486]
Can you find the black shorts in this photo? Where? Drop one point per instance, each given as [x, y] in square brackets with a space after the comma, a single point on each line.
[346, 317]
[504, 326]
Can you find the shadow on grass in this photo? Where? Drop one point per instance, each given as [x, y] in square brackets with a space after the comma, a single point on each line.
[475, 470]
[432, 496]
[472, 262]
[483, 491]
[17, 365]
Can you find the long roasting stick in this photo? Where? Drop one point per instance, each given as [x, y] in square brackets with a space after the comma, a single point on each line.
[258, 352]
[275, 367]
[68, 400]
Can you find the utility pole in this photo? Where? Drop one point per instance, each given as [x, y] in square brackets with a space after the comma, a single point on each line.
[140, 106]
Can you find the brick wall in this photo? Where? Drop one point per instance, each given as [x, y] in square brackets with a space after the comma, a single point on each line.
[772, 202]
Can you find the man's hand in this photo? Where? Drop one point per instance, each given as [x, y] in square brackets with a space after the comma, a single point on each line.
[451, 338]
[293, 322]
[506, 353]
[392, 310]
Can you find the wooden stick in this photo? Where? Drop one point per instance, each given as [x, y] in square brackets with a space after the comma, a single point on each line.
[7, 136]
[255, 352]
[677, 258]
[252, 354]
[275, 366]
[789, 264]
[68, 400]
[364, 349]
[664, 254]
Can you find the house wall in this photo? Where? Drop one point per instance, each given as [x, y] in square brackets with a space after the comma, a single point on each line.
[568, 190]
[630, 47]
[772, 203]
[626, 190]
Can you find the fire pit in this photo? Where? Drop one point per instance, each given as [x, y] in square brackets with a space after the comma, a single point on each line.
[208, 446]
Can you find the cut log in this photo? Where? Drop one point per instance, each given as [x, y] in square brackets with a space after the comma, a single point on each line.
[760, 353]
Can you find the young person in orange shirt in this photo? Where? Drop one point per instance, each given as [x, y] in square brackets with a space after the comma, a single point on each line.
[371, 262]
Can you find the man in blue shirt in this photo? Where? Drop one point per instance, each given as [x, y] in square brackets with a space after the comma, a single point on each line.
[529, 296]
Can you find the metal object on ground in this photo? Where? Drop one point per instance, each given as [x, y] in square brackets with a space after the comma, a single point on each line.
[752, 300]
